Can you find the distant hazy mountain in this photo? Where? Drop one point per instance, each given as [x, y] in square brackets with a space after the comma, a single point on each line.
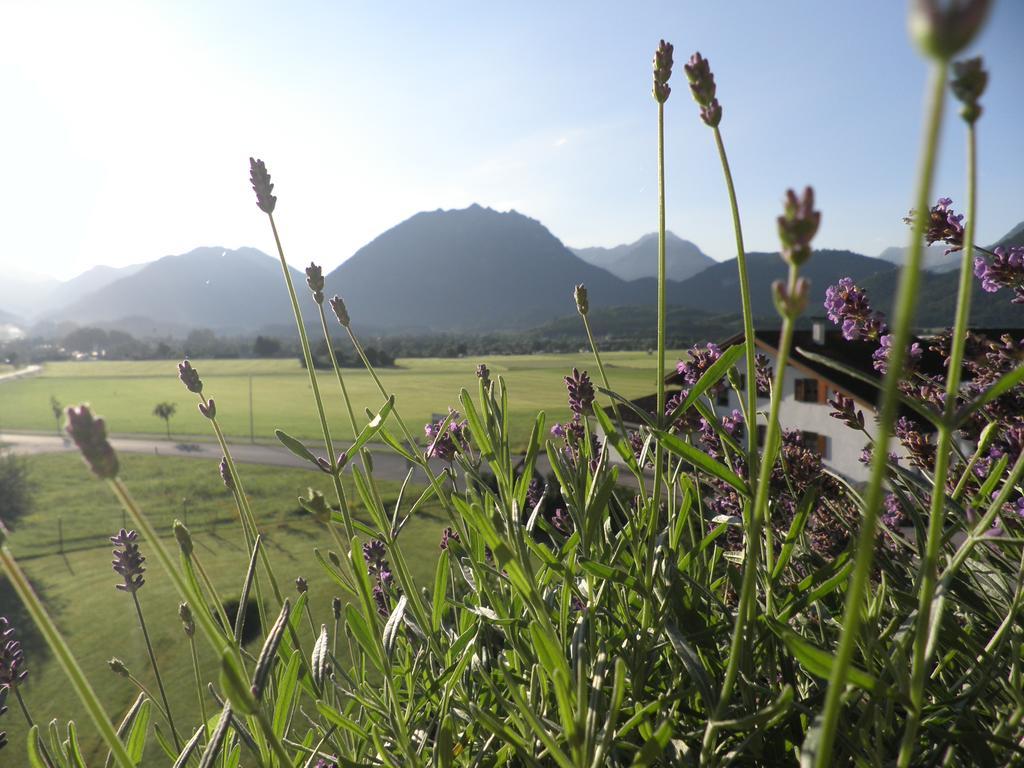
[25, 296]
[716, 289]
[683, 259]
[471, 269]
[1014, 237]
[216, 288]
[7, 317]
[92, 279]
[935, 257]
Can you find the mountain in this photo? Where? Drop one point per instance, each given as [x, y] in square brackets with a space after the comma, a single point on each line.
[717, 288]
[92, 279]
[683, 259]
[1014, 237]
[217, 288]
[935, 257]
[25, 295]
[471, 269]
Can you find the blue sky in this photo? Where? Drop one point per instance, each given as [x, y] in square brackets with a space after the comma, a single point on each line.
[129, 125]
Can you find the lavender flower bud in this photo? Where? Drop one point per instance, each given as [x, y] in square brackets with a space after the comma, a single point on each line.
[791, 305]
[225, 474]
[797, 226]
[118, 667]
[968, 84]
[301, 585]
[702, 86]
[448, 535]
[1006, 270]
[484, 374]
[208, 409]
[90, 435]
[336, 607]
[190, 377]
[315, 281]
[261, 186]
[128, 561]
[943, 28]
[662, 72]
[582, 303]
[187, 620]
[12, 658]
[325, 465]
[184, 537]
[338, 305]
[316, 505]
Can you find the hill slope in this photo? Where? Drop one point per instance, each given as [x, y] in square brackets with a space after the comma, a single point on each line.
[211, 287]
[471, 269]
[683, 259]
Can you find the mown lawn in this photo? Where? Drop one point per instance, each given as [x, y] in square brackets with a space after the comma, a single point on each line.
[126, 392]
[99, 621]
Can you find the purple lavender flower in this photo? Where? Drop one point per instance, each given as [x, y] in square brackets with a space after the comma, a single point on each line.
[845, 410]
[484, 374]
[382, 590]
[534, 494]
[190, 377]
[700, 359]
[90, 435]
[866, 454]
[636, 442]
[128, 561]
[893, 515]
[1006, 270]
[558, 430]
[702, 86]
[340, 310]
[12, 658]
[733, 424]
[880, 357]
[225, 474]
[445, 445]
[261, 185]
[448, 535]
[581, 392]
[687, 421]
[763, 374]
[374, 553]
[662, 72]
[944, 225]
[919, 448]
[848, 306]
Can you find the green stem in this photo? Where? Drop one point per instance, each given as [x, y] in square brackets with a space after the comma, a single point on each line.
[156, 671]
[748, 315]
[64, 656]
[31, 724]
[308, 357]
[936, 512]
[199, 684]
[659, 453]
[906, 301]
[748, 588]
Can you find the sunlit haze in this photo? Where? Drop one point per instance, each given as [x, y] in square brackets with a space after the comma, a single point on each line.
[128, 126]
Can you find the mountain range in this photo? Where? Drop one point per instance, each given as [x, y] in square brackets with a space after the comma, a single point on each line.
[683, 259]
[467, 270]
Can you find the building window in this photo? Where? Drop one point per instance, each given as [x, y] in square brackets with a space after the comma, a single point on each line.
[806, 390]
[816, 443]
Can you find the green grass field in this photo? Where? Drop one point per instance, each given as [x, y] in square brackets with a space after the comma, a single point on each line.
[98, 620]
[126, 392]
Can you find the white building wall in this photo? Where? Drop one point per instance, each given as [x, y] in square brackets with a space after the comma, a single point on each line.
[843, 445]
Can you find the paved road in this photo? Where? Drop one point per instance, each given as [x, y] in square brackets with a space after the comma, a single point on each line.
[26, 371]
[387, 465]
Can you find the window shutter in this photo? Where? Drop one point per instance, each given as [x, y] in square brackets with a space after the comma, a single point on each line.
[822, 393]
[799, 390]
[822, 446]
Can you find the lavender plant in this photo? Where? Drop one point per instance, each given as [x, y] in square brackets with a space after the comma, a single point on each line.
[677, 592]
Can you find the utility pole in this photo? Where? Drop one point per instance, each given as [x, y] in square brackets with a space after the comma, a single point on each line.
[252, 422]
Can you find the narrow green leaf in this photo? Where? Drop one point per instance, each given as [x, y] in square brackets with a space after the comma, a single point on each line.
[74, 749]
[654, 747]
[764, 718]
[336, 718]
[1004, 384]
[618, 442]
[216, 738]
[189, 748]
[35, 757]
[710, 377]
[136, 742]
[440, 591]
[796, 529]
[816, 661]
[295, 446]
[234, 684]
[373, 427]
[287, 687]
[702, 461]
[393, 624]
